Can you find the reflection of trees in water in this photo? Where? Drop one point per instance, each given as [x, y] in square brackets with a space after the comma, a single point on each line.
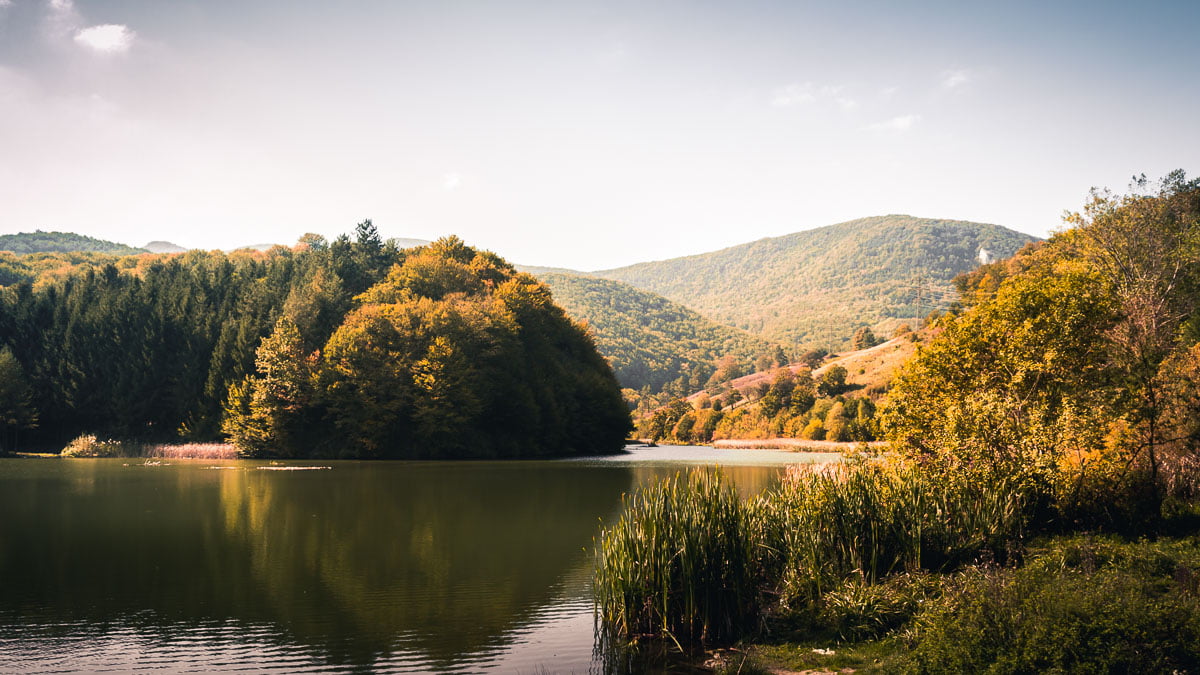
[442, 559]
[451, 557]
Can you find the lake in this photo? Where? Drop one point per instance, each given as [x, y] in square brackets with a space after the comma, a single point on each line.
[208, 566]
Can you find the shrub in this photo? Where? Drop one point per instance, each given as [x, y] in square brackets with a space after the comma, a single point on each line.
[1083, 607]
[87, 445]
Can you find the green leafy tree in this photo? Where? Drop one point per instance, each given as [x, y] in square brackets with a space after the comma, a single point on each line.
[16, 400]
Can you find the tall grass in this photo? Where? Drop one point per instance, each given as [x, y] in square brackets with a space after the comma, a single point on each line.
[688, 560]
[866, 521]
[679, 564]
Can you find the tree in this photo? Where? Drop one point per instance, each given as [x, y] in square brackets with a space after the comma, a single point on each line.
[1146, 245]
[864, 338]
[16, 400]
[833, 381]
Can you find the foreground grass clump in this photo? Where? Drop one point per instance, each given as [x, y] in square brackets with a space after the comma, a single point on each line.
[679, 564]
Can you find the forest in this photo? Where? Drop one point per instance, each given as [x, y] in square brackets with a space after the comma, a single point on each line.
[349, 348]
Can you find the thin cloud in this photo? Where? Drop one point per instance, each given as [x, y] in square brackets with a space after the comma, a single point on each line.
[5, 3]
[806, 92]
[451, 182]
[898, 124]
[955, 78]
[792, 94]
[109, 37]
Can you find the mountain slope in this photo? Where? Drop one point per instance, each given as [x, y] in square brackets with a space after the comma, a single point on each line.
[649, 340]
[61, 242]
[820, 284]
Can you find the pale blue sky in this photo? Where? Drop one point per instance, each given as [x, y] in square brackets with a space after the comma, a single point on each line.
[584, 135]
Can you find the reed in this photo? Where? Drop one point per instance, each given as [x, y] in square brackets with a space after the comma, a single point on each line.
[679, 564]
[691, 562]
[864, 522]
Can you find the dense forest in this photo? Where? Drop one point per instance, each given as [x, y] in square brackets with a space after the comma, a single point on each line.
[447, 351]
[651, 342]
[819, 285]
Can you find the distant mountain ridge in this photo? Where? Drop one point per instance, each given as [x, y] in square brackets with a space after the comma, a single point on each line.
[818, 285]
[61, 242]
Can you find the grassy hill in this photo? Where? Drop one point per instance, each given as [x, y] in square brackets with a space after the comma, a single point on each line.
[61, 242]
[649, 340]
[817, 286]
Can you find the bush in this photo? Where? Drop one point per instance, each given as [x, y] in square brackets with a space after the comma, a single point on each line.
[88, 446]
[1082, 607]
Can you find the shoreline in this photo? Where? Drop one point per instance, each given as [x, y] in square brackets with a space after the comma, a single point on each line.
[796, 445]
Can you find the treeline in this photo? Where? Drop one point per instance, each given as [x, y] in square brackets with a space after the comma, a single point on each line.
[791, 404]
[447, 344]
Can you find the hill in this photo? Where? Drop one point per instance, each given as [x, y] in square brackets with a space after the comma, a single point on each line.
[649, 340]
[164, 247]
[817, 286]
[61, 242]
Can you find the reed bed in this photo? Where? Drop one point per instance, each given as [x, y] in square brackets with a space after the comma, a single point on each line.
[691, 562]
[678, 564]
[191, 451]
[864, 522]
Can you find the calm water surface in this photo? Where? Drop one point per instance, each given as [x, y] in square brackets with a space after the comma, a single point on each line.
[203, 566]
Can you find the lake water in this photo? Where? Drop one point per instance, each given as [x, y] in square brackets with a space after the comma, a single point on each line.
[206, 566]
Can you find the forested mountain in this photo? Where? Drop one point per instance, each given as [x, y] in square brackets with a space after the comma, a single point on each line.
[820, 285]
[64, 242]
[449, 352]
[649, 340]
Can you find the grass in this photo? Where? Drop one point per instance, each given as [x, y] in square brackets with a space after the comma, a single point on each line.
[689, 562]
[88, 445]
[679, 564]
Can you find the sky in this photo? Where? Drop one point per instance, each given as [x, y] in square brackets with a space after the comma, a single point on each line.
[586, 135]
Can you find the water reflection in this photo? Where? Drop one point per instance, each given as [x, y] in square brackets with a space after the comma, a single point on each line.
[418, 566]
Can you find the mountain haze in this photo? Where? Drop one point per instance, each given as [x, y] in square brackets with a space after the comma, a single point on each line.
[819, 285]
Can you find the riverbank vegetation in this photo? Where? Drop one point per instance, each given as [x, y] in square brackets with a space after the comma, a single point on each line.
[353, 348]
[1060, 397]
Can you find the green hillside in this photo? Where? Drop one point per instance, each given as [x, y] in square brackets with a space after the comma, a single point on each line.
[61, 242]
[649, 340]
[819, 285]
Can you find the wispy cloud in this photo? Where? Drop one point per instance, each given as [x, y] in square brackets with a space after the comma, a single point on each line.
[451, 181]
[955, 78]
[898, 124]
[792, 94]
[109, 37]
[799, 93]
[888, 92]
[5, 3]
